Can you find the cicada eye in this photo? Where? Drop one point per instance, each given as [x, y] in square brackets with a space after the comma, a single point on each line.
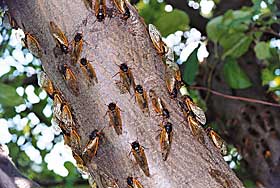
[139, 89]
[64, 48]
[63, 69]
[83, 61]
[127, 13]
[191, 113]
[168, 127]
[112, 106]
[124, 67]
[189, 98]
[129, 181]
[78, 37]
[100, 16]
[174, 93]
[93, 134]
[135, 145]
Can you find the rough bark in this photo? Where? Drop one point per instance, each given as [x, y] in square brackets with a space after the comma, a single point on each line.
[10, 177]
[116, 41]
[252, 128]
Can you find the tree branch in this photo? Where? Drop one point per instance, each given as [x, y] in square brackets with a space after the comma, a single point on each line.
[10, 177]
[116, 41]
[245, 99]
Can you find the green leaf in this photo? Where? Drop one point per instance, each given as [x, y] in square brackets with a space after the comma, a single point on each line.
[236, 45]
[9, 96]
[190, 67]
[262, 50]
[230, 23]
[150, 11]
[258, 35]
[235, 76]
[267, 76]
[169, 22]
[213, 30]
[249, 184]
[166, 22]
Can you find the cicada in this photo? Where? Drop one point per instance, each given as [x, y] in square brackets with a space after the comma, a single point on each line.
[57, 106]
[59, 37]
[169, 56]
[166, 136]
[70, 135]
[88, 70]
[221, 178]
[173, 79]
[156, 38]
[100, 9]
[66, 116]
[91, 181]
[107, 181]
[158, 105]
[198, 112]
[133, 182]
[195, 127]
[88, 3]
[9, 22]
[217, 140]
[126, 77]
[55, 124]
[67, 124]
[77, 46]
[140, 157]
[80, 163]
[91, 148]
[141, 98]
[115, 117]
[70, 79]
[79, 160]
[66, 134]
[45, 83]
[122, 7]
[33, 45]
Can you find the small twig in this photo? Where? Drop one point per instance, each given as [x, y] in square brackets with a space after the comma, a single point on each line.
[235, 97]
[212, 70]
[271, 31]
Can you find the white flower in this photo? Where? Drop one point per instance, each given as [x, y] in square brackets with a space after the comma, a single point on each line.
[201, 53]
[172, 40]
[275, 43]
[206, 6]
[193, 36]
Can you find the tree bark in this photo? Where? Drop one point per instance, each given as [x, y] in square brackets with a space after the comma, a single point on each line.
[116, 41]
[10, 177]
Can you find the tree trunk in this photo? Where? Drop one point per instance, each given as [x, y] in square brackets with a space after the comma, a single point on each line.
[115, 41]
[252, 128]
